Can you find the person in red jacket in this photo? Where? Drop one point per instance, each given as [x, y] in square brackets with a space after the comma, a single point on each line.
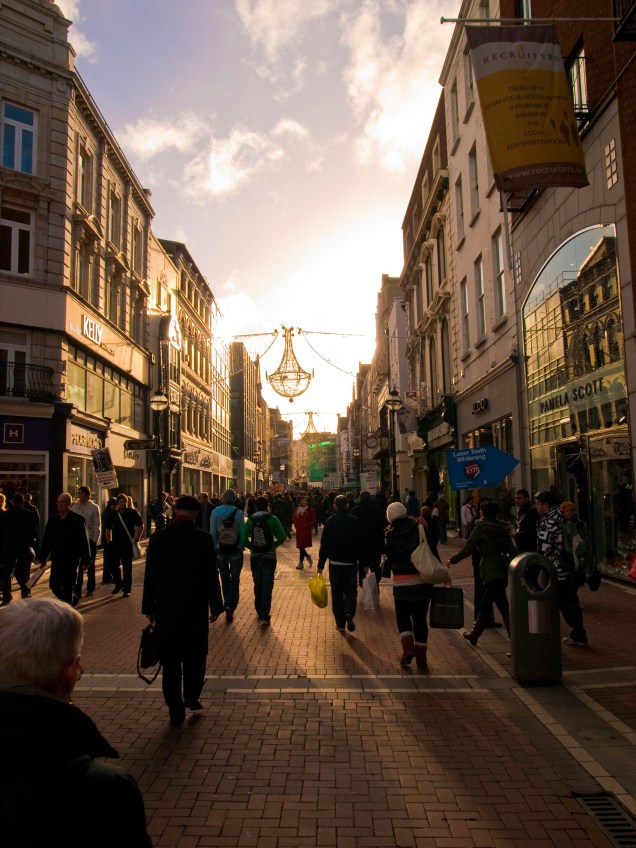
[305, 522]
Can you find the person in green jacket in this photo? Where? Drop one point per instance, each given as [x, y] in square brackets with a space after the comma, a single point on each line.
[262, 534]
[496, 547]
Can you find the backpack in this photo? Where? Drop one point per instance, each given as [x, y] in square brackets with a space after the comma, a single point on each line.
[228, 534]
[262, 538]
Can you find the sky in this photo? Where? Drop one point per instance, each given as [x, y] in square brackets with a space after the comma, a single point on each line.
[280, 140]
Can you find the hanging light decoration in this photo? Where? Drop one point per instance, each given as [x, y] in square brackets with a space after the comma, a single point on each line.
[310, 431]
[289, 379]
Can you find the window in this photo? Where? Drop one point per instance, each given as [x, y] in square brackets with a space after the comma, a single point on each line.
[498, 274]
[437, 157]
[463, 305]
[432, 364]
[479, 298]
[611, 165]
[446, 357]
[459, 210]
[138, 250]
[454, 114]
[474, 181]
[484, 10]
[13, 354]
[419, 297]
[428, 274]
[82, 277]
[425, 189]
[84, 179]
[441, 257]
[18, 138]
[15, 240]
[578, 84]
[114, 219]
[469, 89]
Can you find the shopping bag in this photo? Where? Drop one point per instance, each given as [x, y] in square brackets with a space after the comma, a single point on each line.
[447, 607]
[318, 589]
[632, 568]
[35, 575]
[148, 655]
[430, 568]
[370, 596]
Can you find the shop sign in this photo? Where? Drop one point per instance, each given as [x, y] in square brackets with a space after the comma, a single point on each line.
[104, 469]
[480, 406]
[85, 441]
[95, 332]
[477, 467]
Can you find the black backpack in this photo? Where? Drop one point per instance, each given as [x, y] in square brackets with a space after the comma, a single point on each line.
[262, 537]
[228, 534]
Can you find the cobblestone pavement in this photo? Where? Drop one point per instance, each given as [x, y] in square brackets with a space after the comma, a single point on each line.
[311, 737]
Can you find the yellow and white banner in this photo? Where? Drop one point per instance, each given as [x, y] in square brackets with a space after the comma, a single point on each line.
[527, 107]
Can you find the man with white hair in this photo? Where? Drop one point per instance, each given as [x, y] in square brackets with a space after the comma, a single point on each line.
[52, 792]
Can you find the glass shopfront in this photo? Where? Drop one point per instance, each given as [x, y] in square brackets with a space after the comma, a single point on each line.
[577, 400]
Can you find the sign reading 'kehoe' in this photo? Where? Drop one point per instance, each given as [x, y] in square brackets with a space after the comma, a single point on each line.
[477, 467]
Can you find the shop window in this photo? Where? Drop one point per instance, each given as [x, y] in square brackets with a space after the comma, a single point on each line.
[18, 138]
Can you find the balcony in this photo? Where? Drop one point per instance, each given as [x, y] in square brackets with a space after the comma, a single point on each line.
[28, 382]
[625, 28]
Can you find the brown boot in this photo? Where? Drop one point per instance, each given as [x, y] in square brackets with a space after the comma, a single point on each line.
[408, 649]
[420, 656]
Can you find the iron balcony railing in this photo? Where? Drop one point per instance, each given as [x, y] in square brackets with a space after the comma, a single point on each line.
[625, 28]
[31, 382]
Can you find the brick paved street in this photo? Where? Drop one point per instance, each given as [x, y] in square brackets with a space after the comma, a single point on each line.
[311, 737]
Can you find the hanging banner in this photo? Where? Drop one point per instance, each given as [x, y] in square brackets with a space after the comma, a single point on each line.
[527, 107]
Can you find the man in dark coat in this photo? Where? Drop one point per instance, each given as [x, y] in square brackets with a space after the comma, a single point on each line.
[372, 525]
[181, 595]
[49, 746]
[527, 521]
[340, 544]
[18, 540]
[65, 543]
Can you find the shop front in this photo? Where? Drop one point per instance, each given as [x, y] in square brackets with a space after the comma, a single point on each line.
[130, 466]
[24, 459]
[580, 441]
[197, 469]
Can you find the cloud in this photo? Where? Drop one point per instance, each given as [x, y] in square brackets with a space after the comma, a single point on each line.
[230, 163]
[289, 127]
[151, 136]
[274, 25]
[83, 47]
[392, 82]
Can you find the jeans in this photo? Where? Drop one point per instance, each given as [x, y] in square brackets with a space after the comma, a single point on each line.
[263, 569]
[494, 592]
[90, 572]
[230, 572]
[126, 560]
[411, 614]
[344, 591]
[443, 534]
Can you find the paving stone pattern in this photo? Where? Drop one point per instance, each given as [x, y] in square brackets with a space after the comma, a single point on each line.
[311, 737]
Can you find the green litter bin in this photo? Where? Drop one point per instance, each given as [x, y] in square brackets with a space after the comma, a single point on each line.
[535, 634]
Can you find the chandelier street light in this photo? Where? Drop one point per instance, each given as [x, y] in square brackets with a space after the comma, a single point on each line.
[159, 403]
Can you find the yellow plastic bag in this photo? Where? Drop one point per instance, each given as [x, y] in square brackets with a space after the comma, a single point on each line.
[318, 589]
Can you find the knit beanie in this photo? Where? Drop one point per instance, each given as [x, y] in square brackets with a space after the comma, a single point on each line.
[395, 510]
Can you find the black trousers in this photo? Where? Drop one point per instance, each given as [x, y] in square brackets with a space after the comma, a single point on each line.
[90, 572]
[183, 673]
[570, 608]
[494, 592]
[62, 580]
[18, 563]
[122, 561]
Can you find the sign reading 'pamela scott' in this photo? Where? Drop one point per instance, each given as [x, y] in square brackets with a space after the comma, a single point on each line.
[525, 98]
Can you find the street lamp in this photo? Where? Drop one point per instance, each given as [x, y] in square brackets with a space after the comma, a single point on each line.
[159, 403]
[393, 403]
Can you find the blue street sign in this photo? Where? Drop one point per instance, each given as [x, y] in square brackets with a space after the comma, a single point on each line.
[474, 468]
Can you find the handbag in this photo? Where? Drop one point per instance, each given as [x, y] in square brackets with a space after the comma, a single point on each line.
[370, 596]
[430, 568]
[135, 546]
[447, 607]
[318, 589]
[148, 655]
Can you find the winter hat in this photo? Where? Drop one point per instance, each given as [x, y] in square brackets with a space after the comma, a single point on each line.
[229, 496]
[395, 510]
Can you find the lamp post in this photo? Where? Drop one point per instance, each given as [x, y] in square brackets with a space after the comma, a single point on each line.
[159, 403]
[256, 458]
[393, 403]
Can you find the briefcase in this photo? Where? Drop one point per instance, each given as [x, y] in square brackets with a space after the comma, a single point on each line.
[447, 607]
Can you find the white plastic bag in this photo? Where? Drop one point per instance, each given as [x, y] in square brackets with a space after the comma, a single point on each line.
[370, 594]
[430, 568]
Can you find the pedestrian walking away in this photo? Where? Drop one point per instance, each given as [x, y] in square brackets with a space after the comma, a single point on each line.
[262, 534]
[50, 747]
[340, 544]
[181, 595]
[65, 544]
[411, 595]
[305, 522]
[123, 526]
[226, 527]
[551, 544]
[89, 511]
[492, 539]
[17, 546]
[372, 525]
